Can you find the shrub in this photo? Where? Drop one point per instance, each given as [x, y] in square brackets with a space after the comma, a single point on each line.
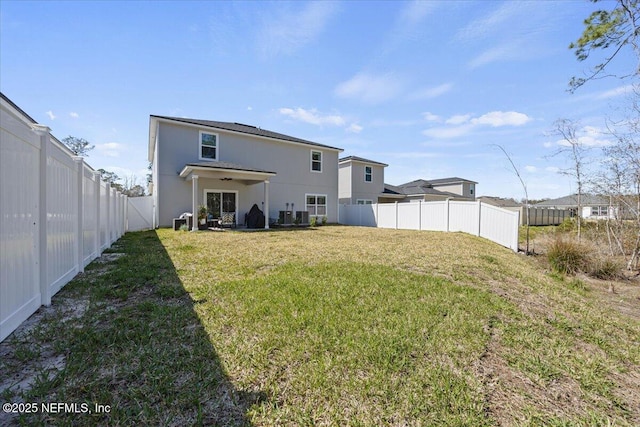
[313, 222]
[569, 224]
[324, 220]
[568, 256]
[604, 268]
[184, 227]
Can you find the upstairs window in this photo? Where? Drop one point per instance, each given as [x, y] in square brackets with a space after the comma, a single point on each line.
[208, 146]
[368, 174]
[316, 161]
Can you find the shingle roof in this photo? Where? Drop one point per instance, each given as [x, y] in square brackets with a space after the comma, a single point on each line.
[361, 159]
[452, 180]
[247, 129]
[499, 201]
[416, 188]
[572, 200]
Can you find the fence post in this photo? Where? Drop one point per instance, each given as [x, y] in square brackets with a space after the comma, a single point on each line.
[126, 214]
[396, 215]
[479, 217]
[97, 176]
[420, 215]
[376, 218]
[80, 218]
[447, 215]
[43, 132]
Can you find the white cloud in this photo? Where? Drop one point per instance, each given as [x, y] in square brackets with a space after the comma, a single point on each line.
[414, 13]
[354, 128]
[548, 144]
[553, 169]
[589, 136]
[462, 124]
[74, 115]
[622, 90]
[289, 32]
[51, 115]
[430, 117]
[110, 149]
[249, 108]
[482, 27]
[458, 119]
[371, 89]
[530, 168]
[502, 118]
[313, 117]
[432, 92]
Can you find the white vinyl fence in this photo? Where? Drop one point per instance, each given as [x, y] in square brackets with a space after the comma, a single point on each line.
[477, 218]
[140, 213]
[56, 216]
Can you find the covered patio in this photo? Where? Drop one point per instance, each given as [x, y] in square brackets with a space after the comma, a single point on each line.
[225, 171]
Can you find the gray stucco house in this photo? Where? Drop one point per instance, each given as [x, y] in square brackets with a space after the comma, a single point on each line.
[229, 167]
[361, 181]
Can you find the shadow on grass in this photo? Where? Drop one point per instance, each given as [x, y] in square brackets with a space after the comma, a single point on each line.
[139, 348]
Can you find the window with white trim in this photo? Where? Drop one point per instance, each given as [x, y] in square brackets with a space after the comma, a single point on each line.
[316, 204]
[208, 146]
[364, 202]
[368, 174]
[316, 161]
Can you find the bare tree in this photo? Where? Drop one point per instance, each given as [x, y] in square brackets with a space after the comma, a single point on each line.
[524, 187]
[575, 152]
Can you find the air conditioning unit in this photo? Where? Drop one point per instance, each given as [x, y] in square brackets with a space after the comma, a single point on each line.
[302, 217]
[286, 217]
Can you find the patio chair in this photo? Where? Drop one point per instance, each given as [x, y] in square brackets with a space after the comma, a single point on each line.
[228, 219]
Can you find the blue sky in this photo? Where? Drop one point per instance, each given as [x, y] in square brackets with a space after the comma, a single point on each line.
[426, 87]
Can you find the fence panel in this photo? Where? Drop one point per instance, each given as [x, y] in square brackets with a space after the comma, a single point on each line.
[19, 223]
[435, 216]
[140, 213]
[62, 219]
[499, 225]
[464, 216]
[387, 215]
[89, 216]
[409, 216]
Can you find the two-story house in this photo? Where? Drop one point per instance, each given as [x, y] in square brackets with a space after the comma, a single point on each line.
[229, 167]
[360, 181]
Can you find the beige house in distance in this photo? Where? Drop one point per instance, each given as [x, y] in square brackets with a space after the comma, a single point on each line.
[361, 181]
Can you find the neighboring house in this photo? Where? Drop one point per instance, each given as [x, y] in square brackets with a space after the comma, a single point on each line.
[431, 190]
[360, 181]
[229, 167]
[593, 206]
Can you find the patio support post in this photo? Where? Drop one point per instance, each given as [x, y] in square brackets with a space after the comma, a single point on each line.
[194, 202]
[266, 203]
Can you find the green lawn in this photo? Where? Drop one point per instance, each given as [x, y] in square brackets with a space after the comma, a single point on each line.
[333, 326]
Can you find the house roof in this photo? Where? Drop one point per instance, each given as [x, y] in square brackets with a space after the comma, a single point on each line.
[452, 180]
[236, 128]
[499, 201]
[413, 189]
[360, 159]
[572, 200]
[225, 171]
[228, 167]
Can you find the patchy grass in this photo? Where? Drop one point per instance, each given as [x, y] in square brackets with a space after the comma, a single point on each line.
[331, 326]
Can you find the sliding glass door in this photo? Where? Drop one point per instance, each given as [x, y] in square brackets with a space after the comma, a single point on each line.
[221, 202]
